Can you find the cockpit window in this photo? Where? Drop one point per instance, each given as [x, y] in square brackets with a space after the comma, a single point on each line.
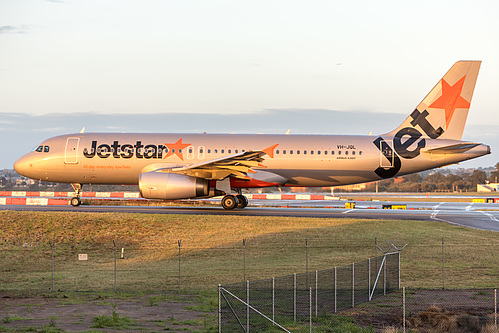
[44, 149]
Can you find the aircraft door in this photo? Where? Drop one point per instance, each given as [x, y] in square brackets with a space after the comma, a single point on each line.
[71, 152]
[386, 156]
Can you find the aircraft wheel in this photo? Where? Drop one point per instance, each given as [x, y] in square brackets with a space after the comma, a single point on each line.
[229, 202]
[242, 201]
[75, 201]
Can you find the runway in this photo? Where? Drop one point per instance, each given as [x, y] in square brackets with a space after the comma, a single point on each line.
[457, 213]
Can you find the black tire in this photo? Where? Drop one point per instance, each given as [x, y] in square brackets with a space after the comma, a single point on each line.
[229, 202]
[242, 201]
[75, 201]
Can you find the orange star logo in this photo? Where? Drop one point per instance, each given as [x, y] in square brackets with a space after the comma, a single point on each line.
[176, 148]
[451, 99]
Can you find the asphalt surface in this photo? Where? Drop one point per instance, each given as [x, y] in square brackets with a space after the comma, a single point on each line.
[472, 215]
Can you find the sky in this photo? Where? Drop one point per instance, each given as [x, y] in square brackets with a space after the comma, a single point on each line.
[72, 60]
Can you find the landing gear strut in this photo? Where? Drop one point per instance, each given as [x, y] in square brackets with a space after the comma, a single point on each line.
[76, 201]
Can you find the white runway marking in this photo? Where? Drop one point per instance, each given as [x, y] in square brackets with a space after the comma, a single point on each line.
[436, 206]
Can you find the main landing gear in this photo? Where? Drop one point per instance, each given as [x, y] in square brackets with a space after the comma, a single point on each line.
[230, 202]
[76, 201]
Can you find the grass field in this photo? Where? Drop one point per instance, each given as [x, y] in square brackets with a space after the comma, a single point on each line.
[212, 250]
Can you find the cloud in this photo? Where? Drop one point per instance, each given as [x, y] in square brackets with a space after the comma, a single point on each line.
[8, 29]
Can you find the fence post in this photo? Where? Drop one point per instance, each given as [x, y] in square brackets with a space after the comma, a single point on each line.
[294, 296]
[316, 290]
[244, 259]
[495, 309]
[219, 309]
[403, 306]
[353, 285]
[306, 255]
[115, 254]
[384, 275]
[247, 307]
[443, 263]
[52, 248]
[310, 310]
[335, 288]
[179, 242]
[399, 269]
[273, 300]
[369, 279]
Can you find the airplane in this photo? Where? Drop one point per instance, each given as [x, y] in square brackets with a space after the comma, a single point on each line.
[183, 166]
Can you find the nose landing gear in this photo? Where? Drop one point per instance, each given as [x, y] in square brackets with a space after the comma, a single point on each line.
[76, 201]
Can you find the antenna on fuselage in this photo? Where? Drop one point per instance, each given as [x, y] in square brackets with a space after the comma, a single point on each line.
[83, 130]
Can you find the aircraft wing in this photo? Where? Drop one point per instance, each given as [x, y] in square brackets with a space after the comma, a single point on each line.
[452, 149]
[236, 165]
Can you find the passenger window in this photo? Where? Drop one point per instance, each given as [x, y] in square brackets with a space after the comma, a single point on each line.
[304, 152]
[230, 151]
[353, 152]
[284, 152]
[209, 151]
[237, 151]
[291, 152]
[318, 152]
[360, 152]
[277, 151]
[325, 153]
[339, 152]
[39, 149]
[332, 152]
[216, 151]
[311, 152]
[223, 151]
[298, 152]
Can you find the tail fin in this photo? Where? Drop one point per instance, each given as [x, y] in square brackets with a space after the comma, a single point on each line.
[443, 112]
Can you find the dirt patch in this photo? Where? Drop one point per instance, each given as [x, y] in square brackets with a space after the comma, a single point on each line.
[147, 313]
[430, 311]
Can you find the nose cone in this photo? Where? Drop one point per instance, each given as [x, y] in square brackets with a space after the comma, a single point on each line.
[24, 165]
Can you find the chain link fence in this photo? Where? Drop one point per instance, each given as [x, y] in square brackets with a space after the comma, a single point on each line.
[257, 304]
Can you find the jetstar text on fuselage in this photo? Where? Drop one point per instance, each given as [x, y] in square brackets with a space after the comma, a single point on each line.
[117, 150]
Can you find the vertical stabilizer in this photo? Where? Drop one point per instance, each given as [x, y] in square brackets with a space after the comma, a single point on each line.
[443, 112]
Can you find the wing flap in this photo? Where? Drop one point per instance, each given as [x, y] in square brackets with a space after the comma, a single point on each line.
[236, 165]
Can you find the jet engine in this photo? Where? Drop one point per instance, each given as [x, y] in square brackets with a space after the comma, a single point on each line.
[172, 186]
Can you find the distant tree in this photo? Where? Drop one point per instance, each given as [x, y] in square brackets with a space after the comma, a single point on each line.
[477, 177]
[494, 176]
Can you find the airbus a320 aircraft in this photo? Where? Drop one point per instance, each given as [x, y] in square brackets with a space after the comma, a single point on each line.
[181, 166]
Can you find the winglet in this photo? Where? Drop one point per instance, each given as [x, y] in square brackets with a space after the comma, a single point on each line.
[270, 150]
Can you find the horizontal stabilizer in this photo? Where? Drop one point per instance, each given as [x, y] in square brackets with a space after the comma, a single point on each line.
[452, 149]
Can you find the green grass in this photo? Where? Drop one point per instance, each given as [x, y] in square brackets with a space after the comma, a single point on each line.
[115, 321]
[212, 250]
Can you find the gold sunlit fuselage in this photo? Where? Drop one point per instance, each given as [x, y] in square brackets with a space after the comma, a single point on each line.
[303, 160]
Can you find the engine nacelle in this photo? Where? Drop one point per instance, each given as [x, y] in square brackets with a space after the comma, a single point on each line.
[172, 186]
